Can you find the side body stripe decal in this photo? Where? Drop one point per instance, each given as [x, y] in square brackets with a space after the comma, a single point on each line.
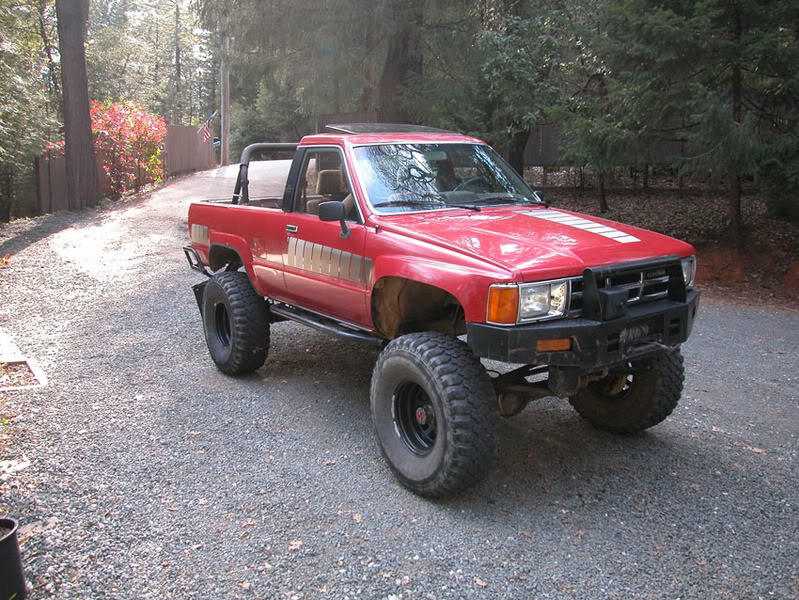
[325, 260]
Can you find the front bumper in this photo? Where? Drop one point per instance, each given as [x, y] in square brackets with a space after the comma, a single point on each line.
[595, 344]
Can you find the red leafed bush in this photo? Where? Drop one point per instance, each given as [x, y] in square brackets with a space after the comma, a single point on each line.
[129, 142]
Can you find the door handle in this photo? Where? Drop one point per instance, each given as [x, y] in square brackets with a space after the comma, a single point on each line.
[292, 228]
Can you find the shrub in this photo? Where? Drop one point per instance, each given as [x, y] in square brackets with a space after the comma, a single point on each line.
[129, 143]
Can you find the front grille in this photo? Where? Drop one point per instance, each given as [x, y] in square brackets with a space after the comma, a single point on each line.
[642, 284]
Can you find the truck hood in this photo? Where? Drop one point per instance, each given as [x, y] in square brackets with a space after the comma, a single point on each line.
[537, 242]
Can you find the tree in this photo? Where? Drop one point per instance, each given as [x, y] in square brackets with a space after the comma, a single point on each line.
[27, 114]
[719, 77]
[82, 184]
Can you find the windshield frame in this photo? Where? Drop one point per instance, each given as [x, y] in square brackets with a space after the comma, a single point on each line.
[532, 201]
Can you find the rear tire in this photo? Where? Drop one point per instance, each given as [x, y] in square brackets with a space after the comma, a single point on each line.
[435, 413]
[236, 323]
[630, 403]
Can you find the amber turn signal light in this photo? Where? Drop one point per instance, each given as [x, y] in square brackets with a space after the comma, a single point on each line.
[503, 304]
[557, 345]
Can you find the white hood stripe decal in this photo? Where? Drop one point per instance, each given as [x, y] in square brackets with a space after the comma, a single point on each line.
[556, 216]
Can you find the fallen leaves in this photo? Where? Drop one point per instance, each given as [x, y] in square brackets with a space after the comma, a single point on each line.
[295, 545]
[480, 583]
[357, 518]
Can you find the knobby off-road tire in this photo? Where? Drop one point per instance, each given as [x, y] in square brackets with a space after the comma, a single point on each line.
[435, 413]
[236, 323]
[630, 403]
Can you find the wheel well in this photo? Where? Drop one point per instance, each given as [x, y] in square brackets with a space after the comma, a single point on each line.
[224, 256]
[401, 306]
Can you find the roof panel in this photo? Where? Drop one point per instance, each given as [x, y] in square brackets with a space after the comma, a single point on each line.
[356, 128]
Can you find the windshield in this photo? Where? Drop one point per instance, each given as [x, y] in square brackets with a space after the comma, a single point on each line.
[414, 177]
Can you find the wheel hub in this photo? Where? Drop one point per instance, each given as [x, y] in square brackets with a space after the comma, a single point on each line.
[415, 418]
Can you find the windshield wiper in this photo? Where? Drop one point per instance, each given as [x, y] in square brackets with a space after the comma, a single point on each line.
[493, 198]
[430, 202]
[428, 199]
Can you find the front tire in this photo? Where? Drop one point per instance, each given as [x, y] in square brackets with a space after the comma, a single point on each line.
[636, 400]
[435, 413]
[236, 323]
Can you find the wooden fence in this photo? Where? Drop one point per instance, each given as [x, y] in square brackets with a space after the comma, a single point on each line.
[184, 151]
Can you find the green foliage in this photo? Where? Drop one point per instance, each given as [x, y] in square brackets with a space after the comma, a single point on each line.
[26, 117]
[275, 116]
[131, 56]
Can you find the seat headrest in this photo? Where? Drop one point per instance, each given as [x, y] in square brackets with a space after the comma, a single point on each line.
[330, 182]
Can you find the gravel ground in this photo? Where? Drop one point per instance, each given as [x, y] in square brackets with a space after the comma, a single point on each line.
[153, 475]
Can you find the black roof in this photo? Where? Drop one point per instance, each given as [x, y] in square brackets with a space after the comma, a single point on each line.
[354, 128]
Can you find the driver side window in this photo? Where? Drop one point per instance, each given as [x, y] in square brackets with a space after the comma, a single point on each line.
[324, 179]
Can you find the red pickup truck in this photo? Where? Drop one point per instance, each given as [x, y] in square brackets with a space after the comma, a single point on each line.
[428, 244]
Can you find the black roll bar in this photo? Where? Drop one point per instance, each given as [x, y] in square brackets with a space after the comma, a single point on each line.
[241, 194]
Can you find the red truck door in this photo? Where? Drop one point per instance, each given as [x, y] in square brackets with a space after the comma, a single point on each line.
[325, 272]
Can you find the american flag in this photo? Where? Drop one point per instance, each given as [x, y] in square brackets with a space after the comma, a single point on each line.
[206, 128]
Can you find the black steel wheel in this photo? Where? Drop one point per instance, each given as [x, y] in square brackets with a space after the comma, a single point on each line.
[435, 413]
[415, 418]
[236, 323]
[640, 396]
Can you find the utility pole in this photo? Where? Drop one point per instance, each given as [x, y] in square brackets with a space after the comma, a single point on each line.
[224, 84]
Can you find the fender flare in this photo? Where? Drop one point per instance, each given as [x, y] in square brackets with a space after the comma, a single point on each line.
[469, 285]
[235, 244]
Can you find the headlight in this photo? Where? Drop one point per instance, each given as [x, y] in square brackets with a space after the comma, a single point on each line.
[543, 300]
[689, 270]
[509, 304]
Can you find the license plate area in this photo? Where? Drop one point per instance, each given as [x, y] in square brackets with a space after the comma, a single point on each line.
[635, 333]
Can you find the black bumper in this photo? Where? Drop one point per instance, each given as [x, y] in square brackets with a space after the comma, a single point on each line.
[595, 344]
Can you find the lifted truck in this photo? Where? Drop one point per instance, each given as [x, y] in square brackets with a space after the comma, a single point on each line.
[410, 238]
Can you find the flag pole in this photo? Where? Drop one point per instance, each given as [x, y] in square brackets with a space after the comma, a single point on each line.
[206, 121]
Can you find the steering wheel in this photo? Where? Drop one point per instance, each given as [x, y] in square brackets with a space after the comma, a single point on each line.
[471, 181]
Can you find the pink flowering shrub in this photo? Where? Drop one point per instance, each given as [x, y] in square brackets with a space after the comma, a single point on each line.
[129, 142]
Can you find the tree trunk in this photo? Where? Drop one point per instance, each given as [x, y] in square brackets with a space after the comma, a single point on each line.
[603, 200]
[736, 225]
[82, 185]
[6, 193]
[737, 116]
[403, 60]
[176, 111]
[224, 86]
[645, 183]
[518, 142]
[369, 44]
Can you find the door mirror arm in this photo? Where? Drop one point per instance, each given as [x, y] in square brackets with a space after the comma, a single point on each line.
[334, 211]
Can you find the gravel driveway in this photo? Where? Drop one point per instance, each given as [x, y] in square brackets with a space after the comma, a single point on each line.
[153, 475]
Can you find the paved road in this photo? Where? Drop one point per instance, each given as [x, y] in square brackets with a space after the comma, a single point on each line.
[155, 476]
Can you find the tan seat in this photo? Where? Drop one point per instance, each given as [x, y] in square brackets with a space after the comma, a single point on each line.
[312, 208]
[330, 181]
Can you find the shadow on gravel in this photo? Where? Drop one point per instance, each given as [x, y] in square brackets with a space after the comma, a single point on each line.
[18, 235]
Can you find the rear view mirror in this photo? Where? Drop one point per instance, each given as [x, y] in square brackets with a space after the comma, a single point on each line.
[334, 211]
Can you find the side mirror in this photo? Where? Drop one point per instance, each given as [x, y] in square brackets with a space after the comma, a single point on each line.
[334, 211]
[540, 199]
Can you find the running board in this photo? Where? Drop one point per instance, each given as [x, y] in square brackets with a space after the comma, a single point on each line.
[323, 324]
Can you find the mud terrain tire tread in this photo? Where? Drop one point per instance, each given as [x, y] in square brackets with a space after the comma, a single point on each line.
[248, 313]
[654, 396]
[465, 405]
